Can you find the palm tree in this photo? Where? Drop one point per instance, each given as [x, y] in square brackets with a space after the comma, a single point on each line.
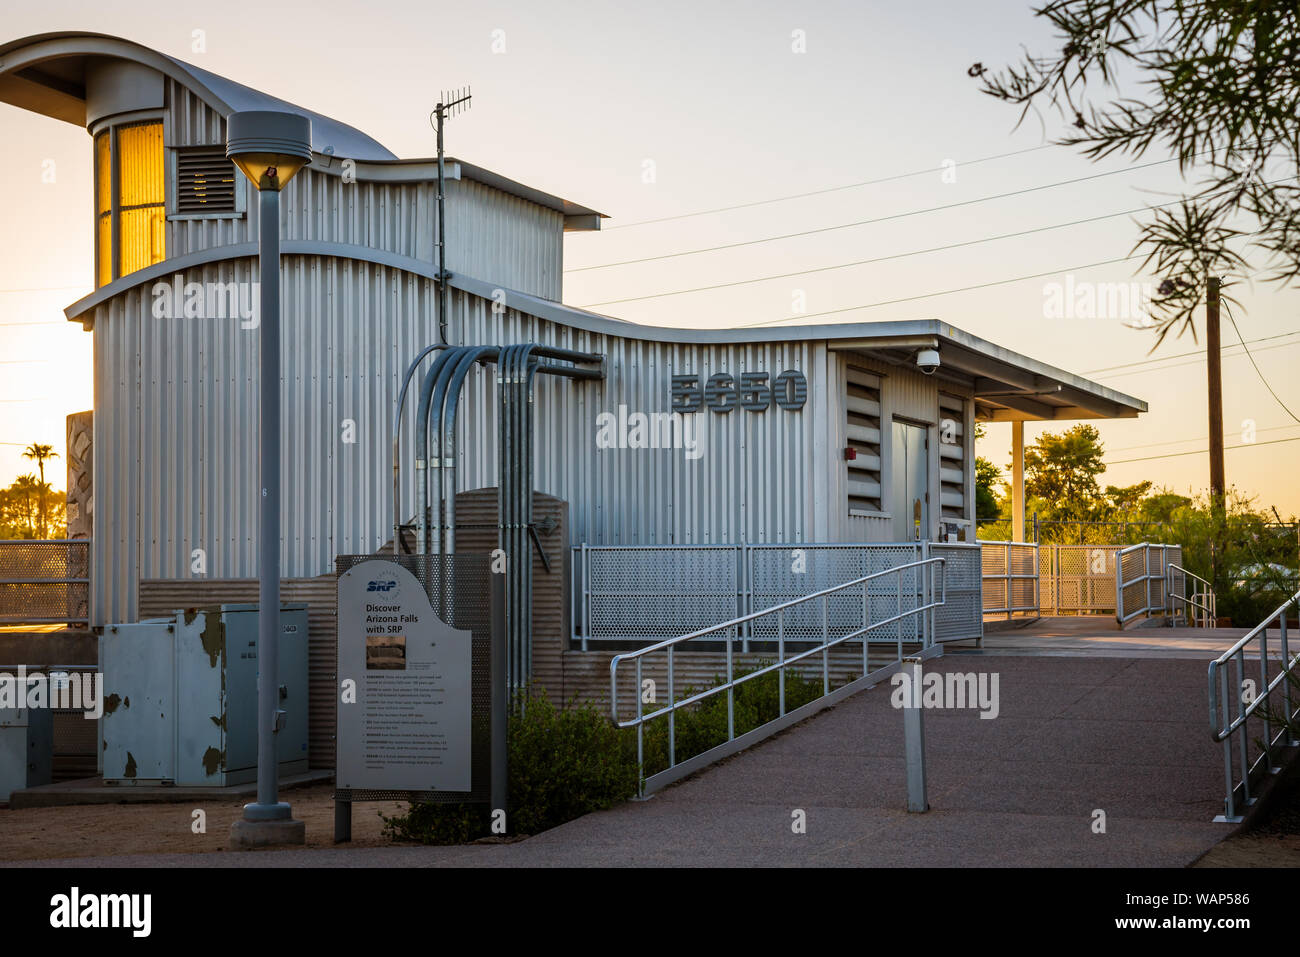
[24, 489]
[40, 453]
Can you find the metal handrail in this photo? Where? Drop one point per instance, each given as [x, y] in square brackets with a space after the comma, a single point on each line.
[1237, 796]
[1146, 577]
[732, 682]
[1209, 606]
[1008, 576]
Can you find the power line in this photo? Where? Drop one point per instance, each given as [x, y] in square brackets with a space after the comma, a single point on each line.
[945, 292]
[1130, 448]
[1179, 365]
[878, 259]
[1180, 355]
[1172, 455]
[1256, 366]
[878, 219]
[823, 192]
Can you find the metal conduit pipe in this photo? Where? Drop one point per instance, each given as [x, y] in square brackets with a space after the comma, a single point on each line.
[513, 552]
[518, 547]
[397, 443]
[422, 447]
[447, 478]
[528, 509]
[505, 453]
[433, 434]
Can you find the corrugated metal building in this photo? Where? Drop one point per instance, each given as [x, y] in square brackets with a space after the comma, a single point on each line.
[877, 449]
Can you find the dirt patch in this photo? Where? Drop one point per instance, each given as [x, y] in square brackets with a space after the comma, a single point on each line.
[99, 830]
[1254, 850]
[1272, 842]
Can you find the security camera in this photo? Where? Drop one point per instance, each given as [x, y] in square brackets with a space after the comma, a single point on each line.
[927, 360]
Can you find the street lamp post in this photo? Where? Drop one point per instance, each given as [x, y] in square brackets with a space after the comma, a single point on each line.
[270, 148]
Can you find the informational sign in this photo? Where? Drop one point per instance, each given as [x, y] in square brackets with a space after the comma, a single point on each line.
[404, 686]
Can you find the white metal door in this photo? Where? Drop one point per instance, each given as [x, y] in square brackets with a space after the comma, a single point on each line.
[910, 475]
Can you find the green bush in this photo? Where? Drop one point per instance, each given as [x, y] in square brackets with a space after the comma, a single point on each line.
[563, 763]
[703, 726]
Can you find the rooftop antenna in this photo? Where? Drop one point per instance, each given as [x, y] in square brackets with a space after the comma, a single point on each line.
[450, 102]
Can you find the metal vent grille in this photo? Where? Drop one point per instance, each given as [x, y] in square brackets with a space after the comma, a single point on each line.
[863, 431]
[952, 456]
[205, 181]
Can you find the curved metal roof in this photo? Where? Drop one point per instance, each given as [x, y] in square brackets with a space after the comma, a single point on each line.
[46, 74]
[1006, 384]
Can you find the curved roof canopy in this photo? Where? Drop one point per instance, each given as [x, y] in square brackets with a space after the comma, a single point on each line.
[47, 74]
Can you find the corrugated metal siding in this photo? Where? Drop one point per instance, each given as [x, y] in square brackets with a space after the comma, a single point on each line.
[490, 233]
[178, 410]
[178, 429]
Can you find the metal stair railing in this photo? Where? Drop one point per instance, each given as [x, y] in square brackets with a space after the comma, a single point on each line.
[921, 589]
[1245, 770]
[1200, 607]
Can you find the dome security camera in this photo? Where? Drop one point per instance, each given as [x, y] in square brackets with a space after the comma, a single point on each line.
[927, 360]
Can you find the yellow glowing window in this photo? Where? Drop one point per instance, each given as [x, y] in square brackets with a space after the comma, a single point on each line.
[141, 206]
[103, 212]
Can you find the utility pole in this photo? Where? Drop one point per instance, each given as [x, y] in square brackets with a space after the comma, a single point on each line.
[1214, 368]
[446, 107]
[1214, 371]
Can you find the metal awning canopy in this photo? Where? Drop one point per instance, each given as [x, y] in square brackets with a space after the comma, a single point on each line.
[1007, 386]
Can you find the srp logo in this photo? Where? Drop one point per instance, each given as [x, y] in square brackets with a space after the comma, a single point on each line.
[383, 587]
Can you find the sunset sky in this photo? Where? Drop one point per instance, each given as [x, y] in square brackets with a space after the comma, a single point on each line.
[653, 112]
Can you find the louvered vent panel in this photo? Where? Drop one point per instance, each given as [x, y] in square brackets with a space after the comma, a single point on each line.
[863, 415]
[205, 181]
[952, 455]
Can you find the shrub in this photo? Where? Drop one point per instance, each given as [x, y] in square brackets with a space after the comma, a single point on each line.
[563, 763]
[703, 726]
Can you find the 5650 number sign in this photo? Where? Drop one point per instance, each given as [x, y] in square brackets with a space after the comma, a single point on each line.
[751, 391]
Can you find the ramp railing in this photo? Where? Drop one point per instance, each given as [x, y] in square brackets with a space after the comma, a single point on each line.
[821, 613]
[1140, 580]
[1200, 607]
[1253, 722]
[1010, 578]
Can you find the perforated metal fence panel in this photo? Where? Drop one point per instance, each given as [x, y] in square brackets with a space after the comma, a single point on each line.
[654, 593]
[44, 582]
[648, 593]
[961, 615]
[467, 580]
[782, 573]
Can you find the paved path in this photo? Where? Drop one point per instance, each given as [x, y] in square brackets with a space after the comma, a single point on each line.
[1127, 736]
[1079, 635]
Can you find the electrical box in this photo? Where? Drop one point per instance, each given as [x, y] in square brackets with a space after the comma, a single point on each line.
[26, 749]
[180, 697]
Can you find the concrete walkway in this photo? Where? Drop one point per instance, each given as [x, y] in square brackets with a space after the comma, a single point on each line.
[1097, 635]
[1127, 736]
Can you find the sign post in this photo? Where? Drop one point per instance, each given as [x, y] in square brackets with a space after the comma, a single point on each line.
[404, 709]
